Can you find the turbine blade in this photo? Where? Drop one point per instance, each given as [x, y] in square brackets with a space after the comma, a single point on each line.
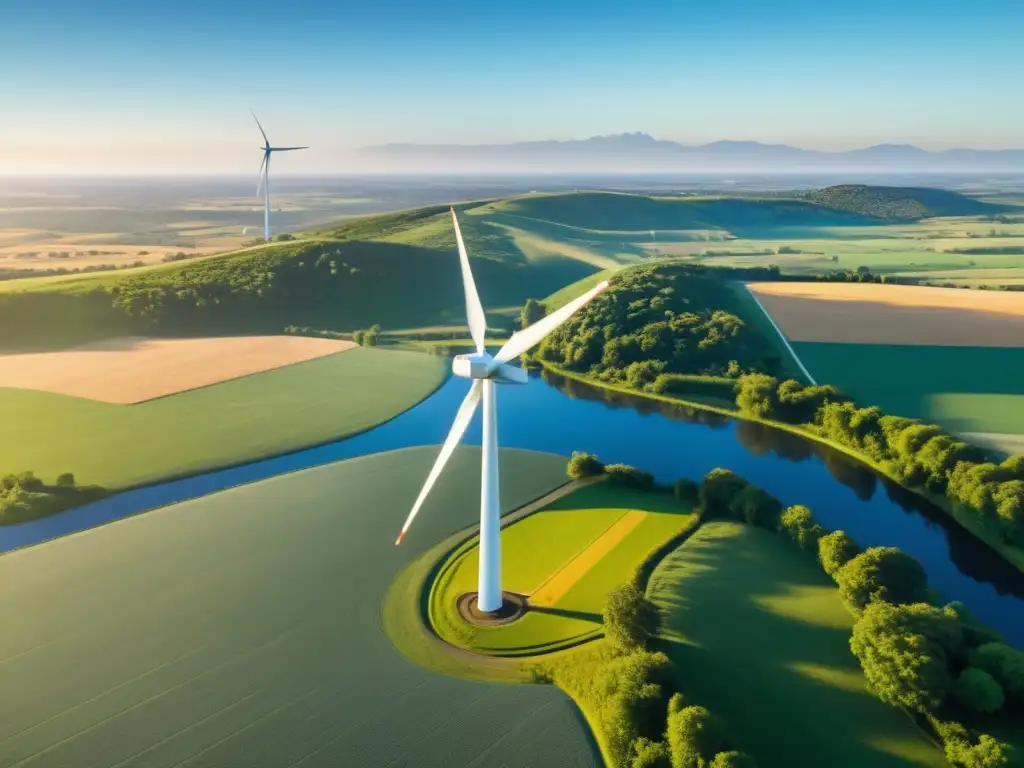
[528, 338]
[260, 127]
[462, 419]
[286, 149]
[259, 186]
[474, 312]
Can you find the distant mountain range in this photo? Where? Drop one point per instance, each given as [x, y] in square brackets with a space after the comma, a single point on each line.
[639, 152]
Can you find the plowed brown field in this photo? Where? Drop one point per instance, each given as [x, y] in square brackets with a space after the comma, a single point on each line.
[869, 313]
[131, 370]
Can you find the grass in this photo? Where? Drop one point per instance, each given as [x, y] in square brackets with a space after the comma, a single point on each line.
[552, 543]
[244, 628]
[760, 637]
[253, 417]
[964, 389]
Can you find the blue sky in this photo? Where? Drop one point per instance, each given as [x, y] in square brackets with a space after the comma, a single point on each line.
[167, 85]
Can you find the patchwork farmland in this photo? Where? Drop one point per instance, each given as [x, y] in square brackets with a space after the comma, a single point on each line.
[949, 356]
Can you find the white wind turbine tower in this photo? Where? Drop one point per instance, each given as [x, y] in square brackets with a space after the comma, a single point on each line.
[265, 174]
[486, 371]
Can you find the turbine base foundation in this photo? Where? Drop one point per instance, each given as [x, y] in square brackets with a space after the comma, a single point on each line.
[513, 607]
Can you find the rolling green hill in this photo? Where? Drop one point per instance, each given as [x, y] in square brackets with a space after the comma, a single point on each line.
[400, 269]
[900, 203]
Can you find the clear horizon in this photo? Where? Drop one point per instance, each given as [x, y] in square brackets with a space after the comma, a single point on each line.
[118, 88]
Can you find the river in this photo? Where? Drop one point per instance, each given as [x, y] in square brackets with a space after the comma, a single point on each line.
[560, 416]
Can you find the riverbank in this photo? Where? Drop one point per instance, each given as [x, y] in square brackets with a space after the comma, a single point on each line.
[970, 523]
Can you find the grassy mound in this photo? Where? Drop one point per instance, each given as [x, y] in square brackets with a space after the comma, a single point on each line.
[243, 628]
[203, 429]
[567, 558]
[759, 635]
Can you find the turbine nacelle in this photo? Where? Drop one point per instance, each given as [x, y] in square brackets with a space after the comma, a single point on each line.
[483, 366]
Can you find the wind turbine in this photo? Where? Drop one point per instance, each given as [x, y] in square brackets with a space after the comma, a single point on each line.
[265, 174]
[486, 371]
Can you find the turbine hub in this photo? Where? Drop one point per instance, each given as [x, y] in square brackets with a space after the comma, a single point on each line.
[483, 366]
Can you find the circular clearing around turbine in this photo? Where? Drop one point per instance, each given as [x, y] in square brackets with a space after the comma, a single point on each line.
[513, 607]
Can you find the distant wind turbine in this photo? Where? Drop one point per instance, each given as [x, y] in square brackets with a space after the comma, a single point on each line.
[264, 183]
[485, 371]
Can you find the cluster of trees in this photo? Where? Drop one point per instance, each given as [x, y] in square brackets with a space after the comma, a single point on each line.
[583, 465]
[654, 320]
[899, 203]
[23, 496]
[919, 455]
[646, 723]
[936, 661]
[368, 337]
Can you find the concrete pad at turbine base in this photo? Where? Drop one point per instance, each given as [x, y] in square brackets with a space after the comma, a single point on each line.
[513, 607]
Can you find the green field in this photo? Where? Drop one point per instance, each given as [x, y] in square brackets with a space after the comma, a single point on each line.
[243, 629]
[760, 637]
[253, 417]
[538, 547]
[964, 389]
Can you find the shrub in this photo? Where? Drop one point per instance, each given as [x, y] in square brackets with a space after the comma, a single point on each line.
[583, 465]
[29, 482]
[66, 480]
[905, 652]
[798, 523]
[978, 691]
[756, 506]
[1004, 663]
[650, 754]
[630, 689]
[718, 489]
[694, 737]
[966, 751]
[757, 395]
[359, 337]
[835, 550]
[882, 573]
[629, 618]
[733, 760]
[630, 477]
[686, 490]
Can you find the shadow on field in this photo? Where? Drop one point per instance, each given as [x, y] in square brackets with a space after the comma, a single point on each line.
[565, 613]
[759, 636]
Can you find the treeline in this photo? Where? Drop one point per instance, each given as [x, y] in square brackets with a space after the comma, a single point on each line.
[900, 203]
[18, 274]
[646, 722]
[24, 496]
[918, 455]
[936, 661]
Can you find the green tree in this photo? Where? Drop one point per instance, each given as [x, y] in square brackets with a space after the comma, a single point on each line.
[686, 490]
[755, 506]
[359, 337]
[531, 312]
[694, 737]
[835, 550]
[66, 480]
[757, 395]
[717, 491]
[583, 465]
[980, 751]
[650, 754]
[1004, 663]
[733, 759]
[882, 573]
[978, 691]
[905, 653]
[629, 618]
[797, 522]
